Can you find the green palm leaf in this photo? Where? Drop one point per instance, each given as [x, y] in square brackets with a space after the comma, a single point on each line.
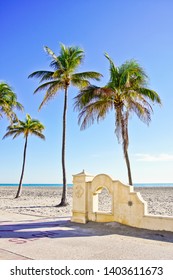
[8, 102]
[44, 75]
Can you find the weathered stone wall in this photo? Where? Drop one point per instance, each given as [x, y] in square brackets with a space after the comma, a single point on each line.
[128, 207]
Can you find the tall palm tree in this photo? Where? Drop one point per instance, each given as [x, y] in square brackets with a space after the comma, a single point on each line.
[63, 75]
[125, 93]
[8, 102]
[28, 127]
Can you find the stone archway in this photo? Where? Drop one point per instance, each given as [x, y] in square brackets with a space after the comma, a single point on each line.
[128, 207]
[95, 188]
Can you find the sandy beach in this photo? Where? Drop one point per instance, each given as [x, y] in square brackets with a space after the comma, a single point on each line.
[41, 201]
[32, 228]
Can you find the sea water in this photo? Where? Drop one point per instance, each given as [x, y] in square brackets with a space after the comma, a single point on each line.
[36, 185]
[147, 185]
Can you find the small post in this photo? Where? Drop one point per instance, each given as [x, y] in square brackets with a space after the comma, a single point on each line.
[80, 197]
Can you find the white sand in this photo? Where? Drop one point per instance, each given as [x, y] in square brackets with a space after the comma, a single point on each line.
[42, 201]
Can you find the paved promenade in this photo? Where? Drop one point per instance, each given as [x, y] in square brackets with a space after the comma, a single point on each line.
[25, 237]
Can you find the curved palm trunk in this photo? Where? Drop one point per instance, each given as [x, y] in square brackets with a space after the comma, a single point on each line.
[64, 192]
[124, 127]
[19, 191]
[128, 167]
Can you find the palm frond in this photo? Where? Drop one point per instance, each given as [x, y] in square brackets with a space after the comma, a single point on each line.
[29, 126]
[50, 94]
[85, 96]
[44, 75]
[132, 74]
[56, 62]
[19, 106]
[93, 111]
[8, 102]
[150, 94]
[142, 111]
[13, 133]
[38, 134]
[87, 75]
[50, 52]
[114, 73]
[70, 58]
[45, 86]
[80, 83]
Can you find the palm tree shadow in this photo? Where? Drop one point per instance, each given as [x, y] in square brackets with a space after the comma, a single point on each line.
[64, 228]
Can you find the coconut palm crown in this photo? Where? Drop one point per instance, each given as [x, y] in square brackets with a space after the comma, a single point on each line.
[28, 127]
[125, 93]
[59, 79]
[8, 102]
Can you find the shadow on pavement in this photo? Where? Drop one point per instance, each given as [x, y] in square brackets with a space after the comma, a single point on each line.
[63, 228]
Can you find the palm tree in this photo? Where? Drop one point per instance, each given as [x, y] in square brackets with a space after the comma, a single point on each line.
[125, 93]
[28, 127]
[8, 102]
[63, 75]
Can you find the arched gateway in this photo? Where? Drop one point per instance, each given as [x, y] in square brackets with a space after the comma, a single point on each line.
[127, 206]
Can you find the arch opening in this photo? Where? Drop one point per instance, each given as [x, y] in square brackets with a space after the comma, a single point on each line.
[102, 200]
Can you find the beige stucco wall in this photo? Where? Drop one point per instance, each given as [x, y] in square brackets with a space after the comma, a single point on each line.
[128, 207]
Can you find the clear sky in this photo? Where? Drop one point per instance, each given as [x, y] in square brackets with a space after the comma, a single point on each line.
[126, 29]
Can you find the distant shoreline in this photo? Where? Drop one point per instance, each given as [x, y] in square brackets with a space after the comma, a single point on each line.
[136, 185]
[37, 185]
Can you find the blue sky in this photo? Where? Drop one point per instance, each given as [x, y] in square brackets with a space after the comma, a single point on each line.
[133, 29]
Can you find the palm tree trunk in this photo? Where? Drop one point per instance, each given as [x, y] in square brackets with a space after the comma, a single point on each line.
[64, 192]
[125, 139]
[128, 167]
[19, 191]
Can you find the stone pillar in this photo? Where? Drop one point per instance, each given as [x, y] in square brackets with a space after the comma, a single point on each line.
[80, 197]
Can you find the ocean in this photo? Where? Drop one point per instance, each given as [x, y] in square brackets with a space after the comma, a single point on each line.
[35, 185]
[147, 185]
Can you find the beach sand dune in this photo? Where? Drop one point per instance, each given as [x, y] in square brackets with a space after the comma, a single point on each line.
[41, 201]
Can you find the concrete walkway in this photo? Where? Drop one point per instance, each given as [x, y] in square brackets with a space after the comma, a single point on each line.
[24, 237]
